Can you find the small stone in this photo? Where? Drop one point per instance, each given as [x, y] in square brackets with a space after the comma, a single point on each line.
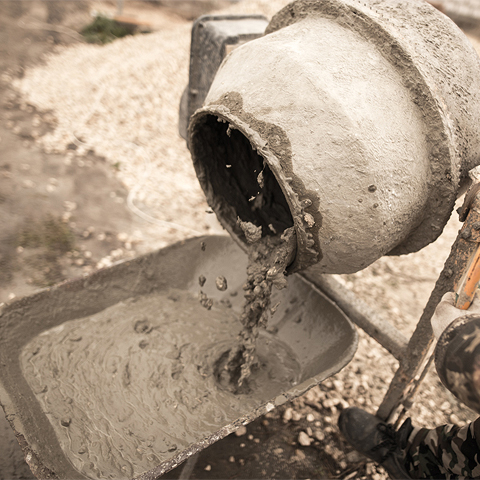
[299, 455]
[65, 422]
[304, 439]
[241, 431]
[338, 385]
[288, 414]
[310, 417]
[221, 283]
[208, 468]
[231, 459]
[296, 416]
[309, 220]
[201, 280]
[278, 451]
[445, 406]
[319, 435]
[454, 419]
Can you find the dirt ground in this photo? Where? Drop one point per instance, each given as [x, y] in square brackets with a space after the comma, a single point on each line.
[62, 215]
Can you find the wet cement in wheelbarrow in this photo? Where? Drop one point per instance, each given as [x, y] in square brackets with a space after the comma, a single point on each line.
[128, 386]
[268, 259]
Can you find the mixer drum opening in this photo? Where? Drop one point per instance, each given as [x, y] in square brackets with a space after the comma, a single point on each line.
[237, 180]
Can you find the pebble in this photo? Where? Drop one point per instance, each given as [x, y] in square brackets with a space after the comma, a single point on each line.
[231, 459]
[299, 455]
[288, 414]
[304, 439]
[65, 422]
[445, 406]
[310, 417]
[454, 419]
[208, 468]
[241, 431]
[221, 283]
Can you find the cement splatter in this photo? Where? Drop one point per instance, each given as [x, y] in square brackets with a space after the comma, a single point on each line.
[221, 283]
[252, 233]
[127, 388]
[205, 301]
[268, 259]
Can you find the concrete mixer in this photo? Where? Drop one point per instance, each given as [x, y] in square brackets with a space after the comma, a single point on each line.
[355, 122]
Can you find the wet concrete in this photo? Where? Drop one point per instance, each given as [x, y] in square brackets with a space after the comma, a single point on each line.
[128, 386]
[140, 349]
[268, 259]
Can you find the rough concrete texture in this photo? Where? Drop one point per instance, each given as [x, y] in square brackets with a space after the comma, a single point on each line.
[83, 409]
[116, 415]
[365, 112]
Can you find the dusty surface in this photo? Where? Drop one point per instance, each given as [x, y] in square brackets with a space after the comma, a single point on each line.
[297, 440]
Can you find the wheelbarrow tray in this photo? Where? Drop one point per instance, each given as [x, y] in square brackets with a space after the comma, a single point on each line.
[318, 338]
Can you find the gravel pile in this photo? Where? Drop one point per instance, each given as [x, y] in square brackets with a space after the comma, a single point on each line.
[121, 100]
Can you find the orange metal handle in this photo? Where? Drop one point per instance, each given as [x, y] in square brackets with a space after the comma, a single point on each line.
[465, 292]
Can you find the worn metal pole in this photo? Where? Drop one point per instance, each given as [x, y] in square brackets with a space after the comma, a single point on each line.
[419, 346]
[386, 334]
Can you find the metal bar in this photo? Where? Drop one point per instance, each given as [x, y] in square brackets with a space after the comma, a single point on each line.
[422, 339]
[408, 402]
[361, 314]
[188, 468]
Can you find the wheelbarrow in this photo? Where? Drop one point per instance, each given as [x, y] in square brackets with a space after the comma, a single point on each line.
[114, 375]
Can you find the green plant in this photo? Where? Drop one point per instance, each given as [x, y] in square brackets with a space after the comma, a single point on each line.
[104, 30]
[51, 233]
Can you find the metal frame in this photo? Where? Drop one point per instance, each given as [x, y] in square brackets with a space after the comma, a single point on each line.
[414, 354]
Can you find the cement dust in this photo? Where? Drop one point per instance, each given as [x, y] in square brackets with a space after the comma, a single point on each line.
[133, 385]
[268, 259]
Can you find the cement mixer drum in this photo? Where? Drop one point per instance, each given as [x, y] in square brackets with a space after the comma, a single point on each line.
[356, 122]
